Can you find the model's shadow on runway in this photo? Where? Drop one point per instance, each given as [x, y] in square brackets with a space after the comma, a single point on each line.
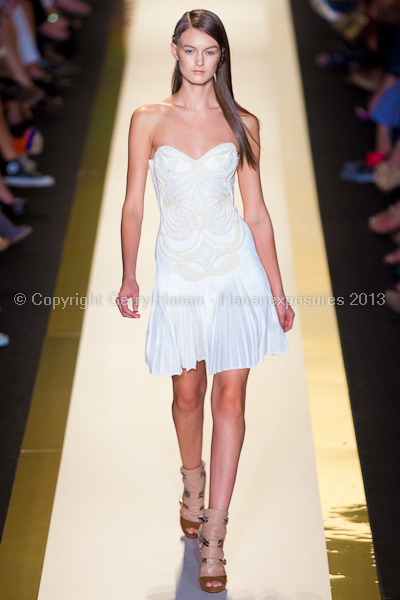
[188, 587]
[188, 584]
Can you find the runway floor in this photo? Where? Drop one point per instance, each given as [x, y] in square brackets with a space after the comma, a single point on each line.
[114, 528]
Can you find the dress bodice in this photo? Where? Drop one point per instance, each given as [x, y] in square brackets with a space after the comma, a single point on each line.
[200, 228]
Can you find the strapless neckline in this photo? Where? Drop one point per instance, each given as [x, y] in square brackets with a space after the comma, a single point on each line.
[189, 157]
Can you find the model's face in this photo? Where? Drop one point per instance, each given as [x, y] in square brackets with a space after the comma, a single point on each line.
[198, 55]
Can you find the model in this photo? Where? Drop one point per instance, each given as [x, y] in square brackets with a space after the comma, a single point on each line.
[218, 299]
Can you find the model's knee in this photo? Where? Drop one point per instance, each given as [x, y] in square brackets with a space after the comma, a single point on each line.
[228, 404]
[189, 402]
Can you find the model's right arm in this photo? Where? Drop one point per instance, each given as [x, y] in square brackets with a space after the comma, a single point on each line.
[139, 152]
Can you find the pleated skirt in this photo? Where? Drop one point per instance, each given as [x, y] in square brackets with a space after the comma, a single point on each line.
[230, 320]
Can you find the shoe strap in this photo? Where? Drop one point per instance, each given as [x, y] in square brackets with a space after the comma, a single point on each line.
[194, 479]
[189, 511]
[213, 520]
[213, 561]
[192, 499]
[192, 495]
[204, 542]
[212, 568]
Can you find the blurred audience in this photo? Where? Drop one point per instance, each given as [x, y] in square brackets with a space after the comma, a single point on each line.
[38, 39]
[368, 50]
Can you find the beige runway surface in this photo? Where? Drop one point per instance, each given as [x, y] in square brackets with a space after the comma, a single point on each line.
[115, 529]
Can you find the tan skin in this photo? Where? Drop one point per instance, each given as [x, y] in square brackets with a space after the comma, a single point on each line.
[192, 122]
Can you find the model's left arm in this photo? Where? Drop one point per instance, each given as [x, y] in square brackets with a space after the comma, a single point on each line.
[257, 217]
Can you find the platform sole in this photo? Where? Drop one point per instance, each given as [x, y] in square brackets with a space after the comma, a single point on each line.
[213, 590]
[186, 523]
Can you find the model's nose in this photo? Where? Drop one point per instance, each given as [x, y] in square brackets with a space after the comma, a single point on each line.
[199, 60]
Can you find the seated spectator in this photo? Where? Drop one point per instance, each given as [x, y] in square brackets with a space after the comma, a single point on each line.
[4, 339]
[369, 49]
[37, 40]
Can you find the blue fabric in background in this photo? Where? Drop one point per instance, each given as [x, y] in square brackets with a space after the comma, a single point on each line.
[343, 6]
[387, 108]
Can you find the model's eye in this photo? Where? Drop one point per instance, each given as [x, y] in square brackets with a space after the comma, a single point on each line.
[188, 51]
[210, 52]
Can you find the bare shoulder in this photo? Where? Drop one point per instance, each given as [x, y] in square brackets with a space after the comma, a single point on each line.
[251, 123]
[150, 113]
[146, 119]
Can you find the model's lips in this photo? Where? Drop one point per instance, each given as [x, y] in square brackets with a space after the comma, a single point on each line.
[198, 72]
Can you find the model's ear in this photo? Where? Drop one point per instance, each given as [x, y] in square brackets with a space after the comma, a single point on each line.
[174, 50]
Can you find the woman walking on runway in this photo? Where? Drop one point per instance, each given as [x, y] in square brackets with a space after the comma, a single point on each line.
[218, 299]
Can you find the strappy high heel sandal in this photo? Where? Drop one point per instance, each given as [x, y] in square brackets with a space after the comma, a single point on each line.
[212, 532]
[192, 500]
[380, 223]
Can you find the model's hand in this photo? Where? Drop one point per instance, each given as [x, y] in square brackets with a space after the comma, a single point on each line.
[285, 313]
[128, 290]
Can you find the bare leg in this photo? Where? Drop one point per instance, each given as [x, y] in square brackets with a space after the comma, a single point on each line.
[227, 402]
[30, 15]
[388, 81]
[6, 140]
[16, 112]
[12, 61]
[188, 415]
[5, 195]
[383, 142]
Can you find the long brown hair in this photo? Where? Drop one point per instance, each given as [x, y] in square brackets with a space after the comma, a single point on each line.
[209, 23]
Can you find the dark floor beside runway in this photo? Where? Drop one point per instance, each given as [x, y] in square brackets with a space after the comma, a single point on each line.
[369, 333]
[32, 265]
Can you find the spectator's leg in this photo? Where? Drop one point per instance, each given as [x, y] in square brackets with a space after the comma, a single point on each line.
[26, 42]
[383, 139]
[12, 60]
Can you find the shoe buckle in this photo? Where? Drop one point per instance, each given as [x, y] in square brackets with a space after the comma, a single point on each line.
[202, 519]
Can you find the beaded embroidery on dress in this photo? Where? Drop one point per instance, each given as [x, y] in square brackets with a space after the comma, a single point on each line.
[212, 299]
[200, 228]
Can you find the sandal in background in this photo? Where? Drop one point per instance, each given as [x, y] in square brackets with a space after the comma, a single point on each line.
[4, 340]
[14, 210]
[380, 223]
[386, 177]
[11, 232]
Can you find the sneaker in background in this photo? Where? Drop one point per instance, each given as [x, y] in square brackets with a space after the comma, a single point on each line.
[4, 340]
[20, 173]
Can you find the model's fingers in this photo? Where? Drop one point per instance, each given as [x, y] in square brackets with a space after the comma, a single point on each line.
[119, 306]
[127, 312]
[289, 319]
[124, 310]
[130, 313]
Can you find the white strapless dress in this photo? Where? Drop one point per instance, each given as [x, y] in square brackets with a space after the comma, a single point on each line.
[212, 299]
